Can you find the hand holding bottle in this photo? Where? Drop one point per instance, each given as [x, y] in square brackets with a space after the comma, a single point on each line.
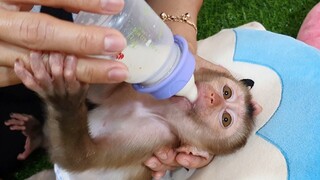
[22, 31]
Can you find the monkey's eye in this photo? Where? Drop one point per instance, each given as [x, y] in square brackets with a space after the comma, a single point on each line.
[226, 119]
[227, 92]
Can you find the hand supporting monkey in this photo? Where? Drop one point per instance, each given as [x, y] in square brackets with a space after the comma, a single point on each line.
[169, 159]
[51, 34]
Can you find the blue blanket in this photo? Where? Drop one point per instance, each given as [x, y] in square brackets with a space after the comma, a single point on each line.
[295, 126]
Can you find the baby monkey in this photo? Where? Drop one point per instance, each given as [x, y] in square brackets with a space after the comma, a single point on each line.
[125, 128]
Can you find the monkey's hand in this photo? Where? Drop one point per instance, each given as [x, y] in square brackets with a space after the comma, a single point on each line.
[31, 128]
[53, 77]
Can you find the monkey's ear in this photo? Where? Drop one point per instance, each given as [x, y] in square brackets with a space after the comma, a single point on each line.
[248, 82]
[256, 108]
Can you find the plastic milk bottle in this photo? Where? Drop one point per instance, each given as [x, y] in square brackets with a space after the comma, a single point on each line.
[158, 62]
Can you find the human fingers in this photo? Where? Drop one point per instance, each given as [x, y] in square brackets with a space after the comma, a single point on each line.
[158, 168]
[43, 32]
[8, 6]
[100, 71]
[155, 165]
[89, 70]
[98, 6]
[163, 159]
[167, 156]
[191, 161]
[158, 174]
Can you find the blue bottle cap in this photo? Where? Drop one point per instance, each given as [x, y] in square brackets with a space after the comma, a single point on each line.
[177, 79]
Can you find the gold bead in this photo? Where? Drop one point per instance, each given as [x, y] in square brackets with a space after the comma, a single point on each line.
[163, 16]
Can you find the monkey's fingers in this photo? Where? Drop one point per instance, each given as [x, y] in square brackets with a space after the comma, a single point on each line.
[21, 117]
[14, 122]
[40, 72]
[56, 63]
[73, 85]
[14, 125]
[27, 78]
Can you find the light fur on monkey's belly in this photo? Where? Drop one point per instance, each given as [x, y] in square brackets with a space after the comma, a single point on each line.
[132, 120]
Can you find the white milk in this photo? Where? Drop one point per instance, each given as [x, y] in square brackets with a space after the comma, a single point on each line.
[145, 62]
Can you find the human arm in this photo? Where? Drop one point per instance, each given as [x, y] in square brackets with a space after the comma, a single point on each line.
[177, 8]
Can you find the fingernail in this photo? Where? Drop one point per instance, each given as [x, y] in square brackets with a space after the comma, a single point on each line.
[114, 43]
[118, 74]
[112, 5]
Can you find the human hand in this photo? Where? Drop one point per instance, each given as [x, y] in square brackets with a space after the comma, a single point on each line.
[169, 159]
[51, 34]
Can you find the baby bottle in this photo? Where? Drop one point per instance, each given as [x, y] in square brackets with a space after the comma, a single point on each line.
[158, 62]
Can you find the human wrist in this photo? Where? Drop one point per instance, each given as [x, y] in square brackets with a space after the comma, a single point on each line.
[178, 8]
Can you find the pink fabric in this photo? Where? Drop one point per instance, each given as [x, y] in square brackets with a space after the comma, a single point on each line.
[310, 29]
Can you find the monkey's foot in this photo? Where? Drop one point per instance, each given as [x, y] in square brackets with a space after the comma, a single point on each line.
[194, 151]
[31, 128]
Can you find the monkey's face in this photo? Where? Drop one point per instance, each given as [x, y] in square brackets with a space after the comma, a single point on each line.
[222, 112]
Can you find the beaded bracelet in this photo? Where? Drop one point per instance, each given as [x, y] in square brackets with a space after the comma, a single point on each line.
[184, 18]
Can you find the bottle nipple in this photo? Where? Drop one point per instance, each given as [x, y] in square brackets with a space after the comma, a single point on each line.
[189, 91]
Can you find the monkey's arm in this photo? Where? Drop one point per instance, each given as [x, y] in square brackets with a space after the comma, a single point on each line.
[69, 142]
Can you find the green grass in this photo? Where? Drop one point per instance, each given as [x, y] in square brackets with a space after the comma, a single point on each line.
[36, 162]
[281, 16]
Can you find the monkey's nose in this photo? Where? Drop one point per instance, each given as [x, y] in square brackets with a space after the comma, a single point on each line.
[213, 99]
